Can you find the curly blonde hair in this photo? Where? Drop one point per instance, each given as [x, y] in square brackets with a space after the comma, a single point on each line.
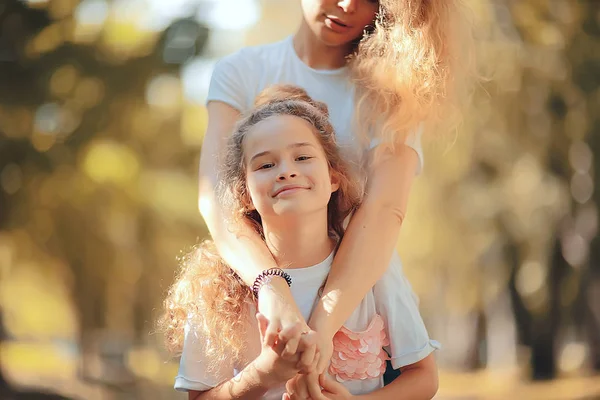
[207, 293]
[414, 67]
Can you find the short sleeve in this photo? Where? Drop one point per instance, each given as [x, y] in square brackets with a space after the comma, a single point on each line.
[193, 367]
[398, 305]
[229, 81]
[413, 141]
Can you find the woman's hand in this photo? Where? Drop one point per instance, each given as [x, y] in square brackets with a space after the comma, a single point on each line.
[325, 346]
[276, 303]
[325, 333]
[306, 385]
[281, 362]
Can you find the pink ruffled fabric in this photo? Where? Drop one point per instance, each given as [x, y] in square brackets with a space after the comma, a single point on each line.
[359, 355]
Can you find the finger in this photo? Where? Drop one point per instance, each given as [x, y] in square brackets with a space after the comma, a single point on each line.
[300, 389]
[313, 367]
[263, 323]
[290, 388]
[290, 331]
[322, 363]
[313, 387]
[285, 397]
[330, 385]
[325, 382]
[289, 352]
[307, 359]
[290, 337]
[306, 340]
[272, 333]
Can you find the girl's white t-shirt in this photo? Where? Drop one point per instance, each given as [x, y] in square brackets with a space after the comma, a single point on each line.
[392, 298]
[239, 77]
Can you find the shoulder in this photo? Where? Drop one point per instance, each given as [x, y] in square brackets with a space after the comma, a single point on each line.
[238, 77]
[255, 56]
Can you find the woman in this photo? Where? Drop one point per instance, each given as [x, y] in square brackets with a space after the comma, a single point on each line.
[384, 69]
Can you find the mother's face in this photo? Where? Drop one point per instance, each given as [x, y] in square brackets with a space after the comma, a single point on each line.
[339, 22]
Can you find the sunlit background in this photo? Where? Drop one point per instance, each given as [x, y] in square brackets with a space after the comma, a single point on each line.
[101, 123]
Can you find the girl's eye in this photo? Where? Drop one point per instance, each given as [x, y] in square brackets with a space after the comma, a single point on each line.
[303, 158]
[266, 166]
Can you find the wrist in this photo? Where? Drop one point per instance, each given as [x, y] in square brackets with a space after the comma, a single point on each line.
[320, 322]
[274, 283]
[274, 292]
[264, 375]
[266, 277]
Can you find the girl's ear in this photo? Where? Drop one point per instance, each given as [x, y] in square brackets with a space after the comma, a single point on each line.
[247, 201]
[335, 181]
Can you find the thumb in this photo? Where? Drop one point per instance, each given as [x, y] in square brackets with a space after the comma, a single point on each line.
[263, 323]
[328, 383]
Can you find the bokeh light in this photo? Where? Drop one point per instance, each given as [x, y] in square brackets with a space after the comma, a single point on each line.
[102, 120]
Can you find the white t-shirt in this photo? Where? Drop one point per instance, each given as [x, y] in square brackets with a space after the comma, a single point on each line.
[238, 78]
[391, 298]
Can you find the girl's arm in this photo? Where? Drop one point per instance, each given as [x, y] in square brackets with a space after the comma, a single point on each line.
[241, 247]
[369, 241]
[248, 384]
[418, 381]
[268, 370]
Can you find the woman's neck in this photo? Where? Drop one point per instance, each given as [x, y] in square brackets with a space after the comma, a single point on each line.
[315, 53]
[299, 242]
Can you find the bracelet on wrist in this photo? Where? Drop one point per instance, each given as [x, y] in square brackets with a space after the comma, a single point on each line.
[265, 277]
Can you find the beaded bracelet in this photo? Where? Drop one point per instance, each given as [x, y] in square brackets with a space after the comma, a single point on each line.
[263, 278]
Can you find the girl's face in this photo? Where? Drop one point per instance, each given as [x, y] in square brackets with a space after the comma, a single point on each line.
[286, 168]
[339, 22]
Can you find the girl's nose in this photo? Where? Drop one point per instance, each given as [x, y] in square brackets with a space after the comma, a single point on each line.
[286, 175]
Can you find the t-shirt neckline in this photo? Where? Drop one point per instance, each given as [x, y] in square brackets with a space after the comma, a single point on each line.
[290, 44]
[325, 264]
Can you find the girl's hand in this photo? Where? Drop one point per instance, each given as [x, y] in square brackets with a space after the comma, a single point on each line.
[332, 389]
[297, 388]
[276, 303]
[278, 364]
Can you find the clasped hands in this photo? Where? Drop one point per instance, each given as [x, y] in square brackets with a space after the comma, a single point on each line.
[300, 356]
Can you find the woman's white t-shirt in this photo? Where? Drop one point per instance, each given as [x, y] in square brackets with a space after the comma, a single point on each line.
[238, 78]
[391, 298]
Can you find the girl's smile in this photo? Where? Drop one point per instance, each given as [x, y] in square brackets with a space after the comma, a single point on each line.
[286, 168]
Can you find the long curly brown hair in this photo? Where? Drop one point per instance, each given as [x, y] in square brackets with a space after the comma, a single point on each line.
[415, 66]
[207, 294]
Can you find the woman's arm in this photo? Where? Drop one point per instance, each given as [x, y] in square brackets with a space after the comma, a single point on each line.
[241, 248]
[418, 381]
[369, 241]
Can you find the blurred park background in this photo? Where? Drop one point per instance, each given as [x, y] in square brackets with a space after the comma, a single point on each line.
[101, 123]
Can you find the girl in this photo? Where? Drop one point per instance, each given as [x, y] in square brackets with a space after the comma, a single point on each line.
[385, 69]
[284, 176]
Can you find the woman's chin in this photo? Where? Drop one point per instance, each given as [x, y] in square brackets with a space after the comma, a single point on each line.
[333, 39]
